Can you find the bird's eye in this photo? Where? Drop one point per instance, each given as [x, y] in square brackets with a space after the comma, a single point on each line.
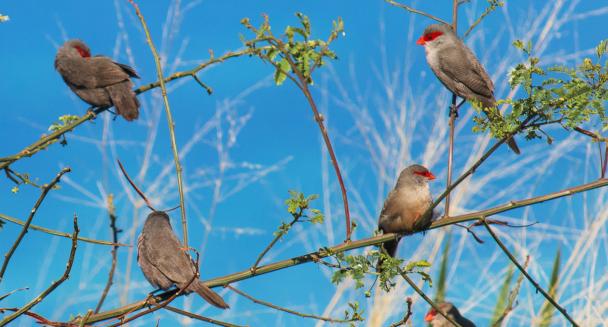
[83, 52]
[432, 35]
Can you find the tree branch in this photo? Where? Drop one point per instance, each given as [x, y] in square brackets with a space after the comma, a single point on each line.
[199, 317]
[293, 312]
[427, 299]
[112, 215]
[416, 11]
[178, 166]
[523, 271]
[54, 285]
[45, 190]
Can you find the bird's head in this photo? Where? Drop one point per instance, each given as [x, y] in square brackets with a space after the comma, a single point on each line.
[446, 307]
[76, 48]
[434, 34]
[415, 173]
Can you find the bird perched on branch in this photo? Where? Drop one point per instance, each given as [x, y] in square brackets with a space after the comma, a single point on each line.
[405, 205]
[437, 320]
[458, 69]
[97, 80]
[165, 263]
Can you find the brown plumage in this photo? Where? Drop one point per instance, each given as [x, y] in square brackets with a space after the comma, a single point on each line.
[405, 205]
[437, 320]
[98, 80]
[164, 262]
[459, 71]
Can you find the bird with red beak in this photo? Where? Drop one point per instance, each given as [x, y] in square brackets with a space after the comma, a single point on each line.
[437, 320]
[459, 71]
[97, 80]
[405, 206]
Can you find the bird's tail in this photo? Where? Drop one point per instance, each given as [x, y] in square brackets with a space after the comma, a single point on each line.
[207, 294]
[494, 114]
[391, 250]
[125, 100]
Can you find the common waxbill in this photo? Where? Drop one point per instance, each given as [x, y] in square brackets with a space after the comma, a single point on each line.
[405, 205]
[437, 320]
[97, 80]
[165, 263]
[459, 70]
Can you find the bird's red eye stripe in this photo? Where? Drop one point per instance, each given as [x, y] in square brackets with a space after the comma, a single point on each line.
[83, 52]
[426, 174]
[428, 37]
[430, 315]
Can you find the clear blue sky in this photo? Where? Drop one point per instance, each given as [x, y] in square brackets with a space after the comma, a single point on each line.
[280, 136]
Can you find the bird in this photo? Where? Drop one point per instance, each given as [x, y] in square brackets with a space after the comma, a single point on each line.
[459, 71]
[437, 320]
[405, 205]
[98, 80]
[165, 263]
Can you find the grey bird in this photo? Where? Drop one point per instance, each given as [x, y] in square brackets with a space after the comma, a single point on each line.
[165, 263]
[405, 205]
[97, 80]
[459, 71]
[437, 320]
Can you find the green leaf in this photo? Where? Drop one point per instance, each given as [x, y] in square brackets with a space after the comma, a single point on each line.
[281, 72]
[15, 189]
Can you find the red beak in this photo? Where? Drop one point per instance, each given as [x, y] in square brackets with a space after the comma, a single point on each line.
[430, 176]
[429, 316]
[421, 41]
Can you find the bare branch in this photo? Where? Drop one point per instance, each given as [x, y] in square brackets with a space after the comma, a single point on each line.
[115, 231]
[54, 285]
[45, 190]
[416, 11]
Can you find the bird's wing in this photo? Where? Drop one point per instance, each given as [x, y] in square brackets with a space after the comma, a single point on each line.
[107, 72]
[460, 64]
[127, 69]
[166, 254]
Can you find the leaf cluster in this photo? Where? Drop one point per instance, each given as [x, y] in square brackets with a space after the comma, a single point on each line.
[298, 205]
[294, 52]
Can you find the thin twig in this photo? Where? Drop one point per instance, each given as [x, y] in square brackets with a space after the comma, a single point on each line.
[525, 273]
[178, 166]
[277, 237]
[293, 312]
[4, 296]
[344, 247]
[45, 190]
[416, 11]
[407, 316]
[199, 317]
[54, 285]
[58, 233]
[140, 192]
[491, 7]
[427, 299]
[115, 231]
[302, 84]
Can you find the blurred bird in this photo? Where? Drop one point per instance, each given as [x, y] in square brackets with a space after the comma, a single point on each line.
[405, 205]
[97, 80]
[437, 320]
[165, 263]
[459, 70]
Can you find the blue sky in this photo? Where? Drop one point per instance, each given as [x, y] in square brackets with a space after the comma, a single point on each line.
[278, 148]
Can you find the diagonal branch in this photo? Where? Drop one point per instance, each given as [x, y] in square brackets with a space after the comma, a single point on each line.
[199, 317]
[178, 166]
[58, 233]
[45, 190]
[525, 273]
[416, 11]
[115, 231]
[293, 312]
[54, 285]
[427, 299]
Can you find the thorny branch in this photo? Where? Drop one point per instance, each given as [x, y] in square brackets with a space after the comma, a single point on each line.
[525, 273]
[178, 166]
[54, 285]
[45, 190]
[407, 316]
[303, 315]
